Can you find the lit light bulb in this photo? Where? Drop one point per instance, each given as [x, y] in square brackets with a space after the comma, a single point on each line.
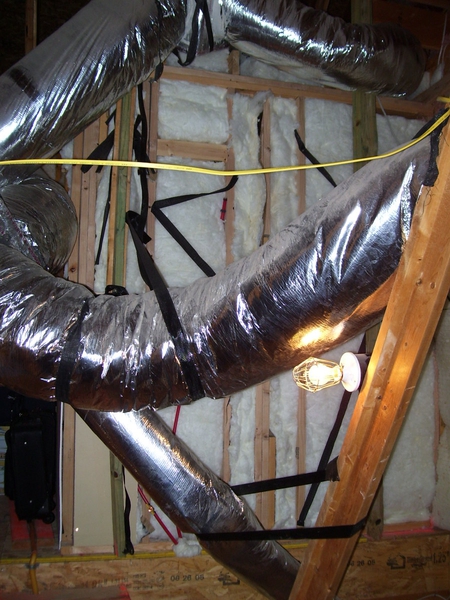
[315, 374]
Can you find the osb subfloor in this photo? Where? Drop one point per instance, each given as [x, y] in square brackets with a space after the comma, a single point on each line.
[110, 593]
[14, 535]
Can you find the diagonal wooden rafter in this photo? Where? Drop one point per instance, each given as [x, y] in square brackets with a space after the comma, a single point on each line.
[413, 311]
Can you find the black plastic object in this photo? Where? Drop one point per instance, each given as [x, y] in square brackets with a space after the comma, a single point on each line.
[30, 461]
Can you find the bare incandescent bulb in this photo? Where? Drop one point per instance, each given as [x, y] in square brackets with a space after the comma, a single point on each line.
[315, 374]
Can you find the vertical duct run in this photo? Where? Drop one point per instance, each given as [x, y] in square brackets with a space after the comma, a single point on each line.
[194, 498]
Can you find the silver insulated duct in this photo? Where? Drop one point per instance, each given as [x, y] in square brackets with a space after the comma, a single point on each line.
[382, 58]
[320, 281]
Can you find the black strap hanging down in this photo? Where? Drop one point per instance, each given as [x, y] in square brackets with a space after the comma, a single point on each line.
[101, 152]
[301, 533]
[154, 280]
[129, 548]
[69, 356]
[330, 473]
[104, 222]
[201, 6]
[329, 446]
[176, 233]
[312, 159]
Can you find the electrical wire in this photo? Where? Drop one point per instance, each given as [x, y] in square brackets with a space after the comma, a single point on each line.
[221, 173]
[33, 558]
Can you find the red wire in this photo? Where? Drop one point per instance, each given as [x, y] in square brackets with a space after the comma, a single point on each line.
[175, 421]
[155, 514]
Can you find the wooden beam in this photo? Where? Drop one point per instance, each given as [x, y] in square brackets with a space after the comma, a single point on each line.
[425, 23]
[151, 89]
[30, 25]
[365, 138]
[119, 200]
[440, 88]
[68, 479]
[300, 448]
[265, 455]
[394, 106]
[193, 150]
[365, 143]
[414, 308]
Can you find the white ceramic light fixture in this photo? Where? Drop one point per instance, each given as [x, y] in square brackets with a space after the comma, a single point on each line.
[316, 374]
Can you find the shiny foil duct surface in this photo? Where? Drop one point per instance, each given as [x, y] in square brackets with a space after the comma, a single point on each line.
[318, 283]
[37, 218]
[382, 58]
[194, 498]
[77, 73]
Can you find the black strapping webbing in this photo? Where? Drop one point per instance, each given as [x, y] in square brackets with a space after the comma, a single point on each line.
[154, 280]
[201, 6]
[182, 241]
[312, 159]
[101, 152]
[328, 446]
[129, 548]
[69, 356]
[140, 150]
[185, 197]
[330, 473]
[176, 233]
[104, 221]
[310, 533]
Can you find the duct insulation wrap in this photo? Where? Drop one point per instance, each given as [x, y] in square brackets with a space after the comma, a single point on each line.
[78, 72]
[194, 498]
[319, 282]
[38, 218]
[382, 58]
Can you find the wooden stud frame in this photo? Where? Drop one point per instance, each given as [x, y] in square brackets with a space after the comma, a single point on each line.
[81, 269]
[421, 285]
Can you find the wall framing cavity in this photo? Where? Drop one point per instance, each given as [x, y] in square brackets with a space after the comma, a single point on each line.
[275, 102]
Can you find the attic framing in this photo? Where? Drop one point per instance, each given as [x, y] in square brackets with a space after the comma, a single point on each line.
[424, 297]
[313, 556]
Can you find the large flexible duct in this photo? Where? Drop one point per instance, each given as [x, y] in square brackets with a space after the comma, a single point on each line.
[317, 283]
[383, 58]
[107, 48]
[76, 74]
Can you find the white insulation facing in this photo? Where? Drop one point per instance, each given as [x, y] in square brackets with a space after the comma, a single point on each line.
[197, 113]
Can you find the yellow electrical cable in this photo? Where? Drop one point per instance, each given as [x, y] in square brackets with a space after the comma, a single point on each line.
[217, 172]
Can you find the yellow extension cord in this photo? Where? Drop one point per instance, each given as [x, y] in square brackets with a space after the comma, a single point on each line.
[217, 172]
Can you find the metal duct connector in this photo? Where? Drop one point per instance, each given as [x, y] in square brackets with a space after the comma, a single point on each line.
[194, 498]
[317, 283]
[382, 58]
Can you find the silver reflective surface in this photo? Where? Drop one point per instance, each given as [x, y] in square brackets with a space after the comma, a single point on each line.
[319, 282]
[382, 58]
[77, 73]
[194, 498]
